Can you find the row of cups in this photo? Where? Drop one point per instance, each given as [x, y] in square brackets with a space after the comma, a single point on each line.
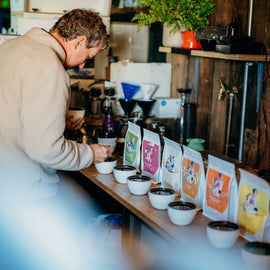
[221, 234]
[180, 213]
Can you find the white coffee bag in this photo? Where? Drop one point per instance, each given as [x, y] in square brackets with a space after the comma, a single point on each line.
[253, 207]
[150, 156]
[171, 165]
[132, 148]
[192, 177]
[220, 198]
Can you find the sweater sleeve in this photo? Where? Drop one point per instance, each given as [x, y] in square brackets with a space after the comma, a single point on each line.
[43, 113]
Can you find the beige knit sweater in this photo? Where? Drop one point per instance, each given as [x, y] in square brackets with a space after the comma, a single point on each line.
[34, 96]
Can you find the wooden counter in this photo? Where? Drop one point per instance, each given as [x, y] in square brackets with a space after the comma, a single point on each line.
[191, 238]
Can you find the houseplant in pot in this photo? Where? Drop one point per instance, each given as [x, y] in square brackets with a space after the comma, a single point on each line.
[194, 16]
[179, 15]
[164, 12]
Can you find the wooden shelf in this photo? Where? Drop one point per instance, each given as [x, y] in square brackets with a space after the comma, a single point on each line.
[175, 50]
[217, 55]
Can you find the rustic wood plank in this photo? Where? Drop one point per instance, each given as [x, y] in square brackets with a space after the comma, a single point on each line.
[250, 147]
[263, 127]
[191, 75]
[236, 79]
[217, 55]
[179, 73]
[236, 57]
[223, 12]
[261, 21]
[219, 108]
[204, 99]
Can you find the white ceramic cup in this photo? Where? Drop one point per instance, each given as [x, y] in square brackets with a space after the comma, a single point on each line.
[256, 255]
[139, 184]
[122, 172]
[222, 234]
[181, 213]
[106, 167]
[161, 197]
[76, 112]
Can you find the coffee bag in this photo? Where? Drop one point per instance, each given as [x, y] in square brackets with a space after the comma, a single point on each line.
[171, 165]
[192, 177]
[253, 207]
[132, 147]
[150, 156]
[220, 198]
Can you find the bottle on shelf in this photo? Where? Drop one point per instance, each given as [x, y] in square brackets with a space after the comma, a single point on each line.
[109, 121]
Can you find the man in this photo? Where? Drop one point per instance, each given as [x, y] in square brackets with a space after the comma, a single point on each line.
[34, 97]
[37, 229]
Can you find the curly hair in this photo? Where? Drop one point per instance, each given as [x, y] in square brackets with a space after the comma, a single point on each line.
[82, 22]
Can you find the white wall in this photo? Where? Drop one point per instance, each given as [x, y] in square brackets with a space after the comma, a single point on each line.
[128, 43]
[60, 6]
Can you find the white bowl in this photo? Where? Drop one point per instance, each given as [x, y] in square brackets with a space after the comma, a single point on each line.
[256, 255]
[108, 141]
[139, 184]
[106, 167]
[161, 197]
[76, 112]
[181, 213]
[122, 172]
[222, 234]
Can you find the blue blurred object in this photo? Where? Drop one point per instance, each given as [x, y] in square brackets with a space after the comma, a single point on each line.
[130, 90]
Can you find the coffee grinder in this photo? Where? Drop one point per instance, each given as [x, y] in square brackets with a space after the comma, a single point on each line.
[147, 102]
[109, 100]
[127, 106]
[95, 102]
[108, 108]
[146, 106]
[187, 116]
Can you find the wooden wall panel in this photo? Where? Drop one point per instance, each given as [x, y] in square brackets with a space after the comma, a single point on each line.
[204, 99]
[179, 74]
[191, 77]
[236, 79]
[240, 11]
[218, 108]
[261, 22]
[223, 13]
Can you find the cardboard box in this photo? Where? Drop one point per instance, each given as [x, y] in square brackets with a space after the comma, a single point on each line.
[167, 108]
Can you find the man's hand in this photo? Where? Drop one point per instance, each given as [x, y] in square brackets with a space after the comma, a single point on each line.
[74, 125]
[101, 152]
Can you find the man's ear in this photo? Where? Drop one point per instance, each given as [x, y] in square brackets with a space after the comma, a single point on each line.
[80, 41]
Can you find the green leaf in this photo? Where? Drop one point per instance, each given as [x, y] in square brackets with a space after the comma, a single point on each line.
[191, 14]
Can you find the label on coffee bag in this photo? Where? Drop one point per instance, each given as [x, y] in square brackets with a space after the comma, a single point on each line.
[150, 157]
[253, 205]
[131, 147]
[217, 190]
[190, 178]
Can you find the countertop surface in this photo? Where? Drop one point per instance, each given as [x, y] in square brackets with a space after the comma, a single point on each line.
[190, 238]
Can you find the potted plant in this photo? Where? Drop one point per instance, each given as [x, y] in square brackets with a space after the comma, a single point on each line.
[179, 15]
